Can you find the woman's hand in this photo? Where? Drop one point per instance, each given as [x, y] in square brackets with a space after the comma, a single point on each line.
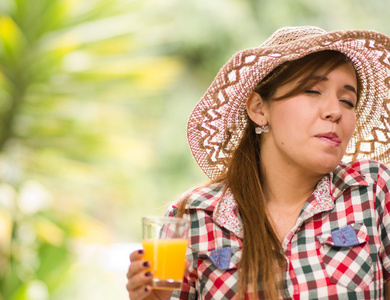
[139, 284]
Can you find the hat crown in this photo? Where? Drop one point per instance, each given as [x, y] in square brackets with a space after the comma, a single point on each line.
[286, 35]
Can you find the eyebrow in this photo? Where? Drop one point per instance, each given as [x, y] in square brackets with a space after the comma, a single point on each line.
[350, 88]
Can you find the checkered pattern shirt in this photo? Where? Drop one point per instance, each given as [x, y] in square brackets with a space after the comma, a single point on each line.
[339, 247]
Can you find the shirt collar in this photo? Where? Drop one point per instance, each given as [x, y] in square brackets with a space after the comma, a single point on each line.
[226, 214]
[343, 177]
[216, 198]
[329, 188]
[322, 199]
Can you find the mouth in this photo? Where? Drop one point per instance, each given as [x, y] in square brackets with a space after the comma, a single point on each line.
[331, 138]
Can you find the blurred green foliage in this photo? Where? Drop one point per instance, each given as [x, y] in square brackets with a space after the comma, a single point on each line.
[94, 98]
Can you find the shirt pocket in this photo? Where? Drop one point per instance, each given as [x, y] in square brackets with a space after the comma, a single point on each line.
[346, 256]
[217, 273]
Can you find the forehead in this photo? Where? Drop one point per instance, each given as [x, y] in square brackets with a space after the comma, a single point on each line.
[345, 72]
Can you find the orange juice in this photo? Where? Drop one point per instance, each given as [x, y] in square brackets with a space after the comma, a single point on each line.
[167, 257]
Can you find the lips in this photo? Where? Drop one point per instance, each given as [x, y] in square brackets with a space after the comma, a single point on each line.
[331, 138]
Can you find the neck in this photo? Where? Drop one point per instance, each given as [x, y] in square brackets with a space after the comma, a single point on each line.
[286, 190]
[284, 185]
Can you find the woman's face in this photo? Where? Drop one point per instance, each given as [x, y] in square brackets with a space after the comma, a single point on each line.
[311, 130]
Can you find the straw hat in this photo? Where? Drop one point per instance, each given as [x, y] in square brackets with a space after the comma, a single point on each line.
[218, 120]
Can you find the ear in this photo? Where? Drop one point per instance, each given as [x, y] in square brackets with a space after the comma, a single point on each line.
[257, 109]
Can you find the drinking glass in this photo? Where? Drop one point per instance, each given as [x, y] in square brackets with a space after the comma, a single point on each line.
[165, 241]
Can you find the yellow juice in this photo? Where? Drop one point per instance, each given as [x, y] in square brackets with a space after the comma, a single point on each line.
[167, 257]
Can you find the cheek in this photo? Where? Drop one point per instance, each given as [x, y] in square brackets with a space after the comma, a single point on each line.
[351, 125]
[288, 128]
[296, 120]
[285, 113]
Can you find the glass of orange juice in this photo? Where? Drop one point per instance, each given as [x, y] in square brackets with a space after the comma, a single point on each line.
[165, 240]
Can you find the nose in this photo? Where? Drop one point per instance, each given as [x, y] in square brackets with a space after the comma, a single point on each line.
[331, 110]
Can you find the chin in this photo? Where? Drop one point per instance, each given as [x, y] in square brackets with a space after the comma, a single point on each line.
[323, 164]
[328, 166]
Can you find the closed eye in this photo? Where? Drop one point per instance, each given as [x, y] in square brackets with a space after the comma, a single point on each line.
[312, 92]
[349, 103]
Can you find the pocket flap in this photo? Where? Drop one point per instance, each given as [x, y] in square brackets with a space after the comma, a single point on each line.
[222, 258]
[350, 235]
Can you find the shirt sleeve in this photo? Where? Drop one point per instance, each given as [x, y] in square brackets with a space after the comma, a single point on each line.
[187, 291]
[383, 202]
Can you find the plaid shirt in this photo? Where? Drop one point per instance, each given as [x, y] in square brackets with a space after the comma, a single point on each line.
[339, 247]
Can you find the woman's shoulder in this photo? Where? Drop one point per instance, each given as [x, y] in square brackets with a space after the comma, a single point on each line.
[202, 197]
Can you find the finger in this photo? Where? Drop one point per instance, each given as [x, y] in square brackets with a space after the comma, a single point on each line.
[137, 255]
[140, 293]
[138, 267]
[136, 263]
[139, 280]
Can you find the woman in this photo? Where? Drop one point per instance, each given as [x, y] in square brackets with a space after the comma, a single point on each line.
[283, 217]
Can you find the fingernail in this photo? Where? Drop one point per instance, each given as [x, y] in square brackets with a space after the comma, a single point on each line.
[146, 264]
[146, 289]
[141, 251]
[148, 274]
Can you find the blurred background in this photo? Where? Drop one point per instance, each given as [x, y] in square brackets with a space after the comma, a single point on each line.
[94, 100]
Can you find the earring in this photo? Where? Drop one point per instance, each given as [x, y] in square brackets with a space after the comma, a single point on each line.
[261, 129]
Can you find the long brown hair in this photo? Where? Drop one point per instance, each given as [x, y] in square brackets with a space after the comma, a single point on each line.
[262, 259]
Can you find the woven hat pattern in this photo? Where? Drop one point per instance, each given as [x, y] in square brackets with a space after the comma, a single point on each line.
[219, 119]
